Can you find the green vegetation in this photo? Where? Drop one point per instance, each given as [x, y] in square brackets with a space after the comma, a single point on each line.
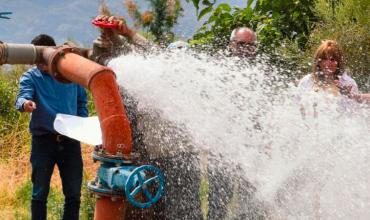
[274, 21]
[159, 20]
[23, 202]
[13, 125]
[55, 202]
[87, 200]
[290, 31]
[203, 193]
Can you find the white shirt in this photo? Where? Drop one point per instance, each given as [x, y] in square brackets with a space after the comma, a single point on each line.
[307, 85]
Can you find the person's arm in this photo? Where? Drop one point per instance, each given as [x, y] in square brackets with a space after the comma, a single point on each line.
[362, 98]
[348, 86]
[82, 102]
[125, 31]
[356, 95]
[24, 101]
[352, 90]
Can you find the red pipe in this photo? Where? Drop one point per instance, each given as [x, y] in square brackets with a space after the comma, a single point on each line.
[108, 209]
[116, 131]
[66, 66]
[101, 81]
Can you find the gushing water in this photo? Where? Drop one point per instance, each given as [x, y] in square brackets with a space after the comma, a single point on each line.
[244, 121]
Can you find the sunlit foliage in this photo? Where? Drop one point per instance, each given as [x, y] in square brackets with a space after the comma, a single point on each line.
[274, 21]
[159, 20]
[348, 22]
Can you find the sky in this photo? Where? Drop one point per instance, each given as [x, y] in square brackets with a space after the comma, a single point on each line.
[71, 19]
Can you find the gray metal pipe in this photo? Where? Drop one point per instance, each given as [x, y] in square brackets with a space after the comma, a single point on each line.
[30, 54]
[19, 53]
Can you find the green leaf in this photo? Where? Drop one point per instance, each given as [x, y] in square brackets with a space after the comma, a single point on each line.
[247, 13]
[205, 11]
[196, 4]
[226, 16]
[249, 3]
[212, 19]
[207, 3]
[224, 7]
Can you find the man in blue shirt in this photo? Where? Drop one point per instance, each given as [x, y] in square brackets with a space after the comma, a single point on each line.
[44, 97]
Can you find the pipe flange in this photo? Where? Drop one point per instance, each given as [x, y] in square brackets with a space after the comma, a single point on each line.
[102, 191]
[59, 53]
[110, 159]
[117, 159]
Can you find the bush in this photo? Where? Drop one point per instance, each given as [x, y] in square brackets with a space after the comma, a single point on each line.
[346, 21]
[274, 21]
[13, 125]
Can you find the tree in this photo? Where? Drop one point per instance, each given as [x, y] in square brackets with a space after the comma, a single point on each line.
[274, 21]
[159, 20]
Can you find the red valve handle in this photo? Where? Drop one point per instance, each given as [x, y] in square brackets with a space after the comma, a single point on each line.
[104, 24]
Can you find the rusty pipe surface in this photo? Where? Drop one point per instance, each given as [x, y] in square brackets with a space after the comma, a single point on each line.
[101, 81]
[67, 66]
[110, 208]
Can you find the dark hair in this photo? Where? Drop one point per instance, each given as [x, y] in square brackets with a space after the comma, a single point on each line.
[43, 40]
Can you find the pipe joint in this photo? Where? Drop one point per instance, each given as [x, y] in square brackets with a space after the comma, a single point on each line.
[102, 156]
[2, 53]
[54, 55]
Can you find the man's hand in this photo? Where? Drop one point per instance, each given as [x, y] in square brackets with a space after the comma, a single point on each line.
[29, 106]
[122, 28]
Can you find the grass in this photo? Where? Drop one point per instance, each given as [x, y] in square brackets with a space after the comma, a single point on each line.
[55, 202]
[15, 184]
[204, 190]
[87, 200]
[16, 188]
[23, 202]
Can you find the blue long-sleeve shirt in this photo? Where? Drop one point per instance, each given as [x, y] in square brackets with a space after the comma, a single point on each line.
[51, 97]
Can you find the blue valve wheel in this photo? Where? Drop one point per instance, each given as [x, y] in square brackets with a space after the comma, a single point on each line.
[148, 180]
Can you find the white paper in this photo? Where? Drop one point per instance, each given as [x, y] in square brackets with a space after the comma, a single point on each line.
[84, 129]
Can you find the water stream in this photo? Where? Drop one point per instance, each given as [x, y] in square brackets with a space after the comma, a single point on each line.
[244, 121]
